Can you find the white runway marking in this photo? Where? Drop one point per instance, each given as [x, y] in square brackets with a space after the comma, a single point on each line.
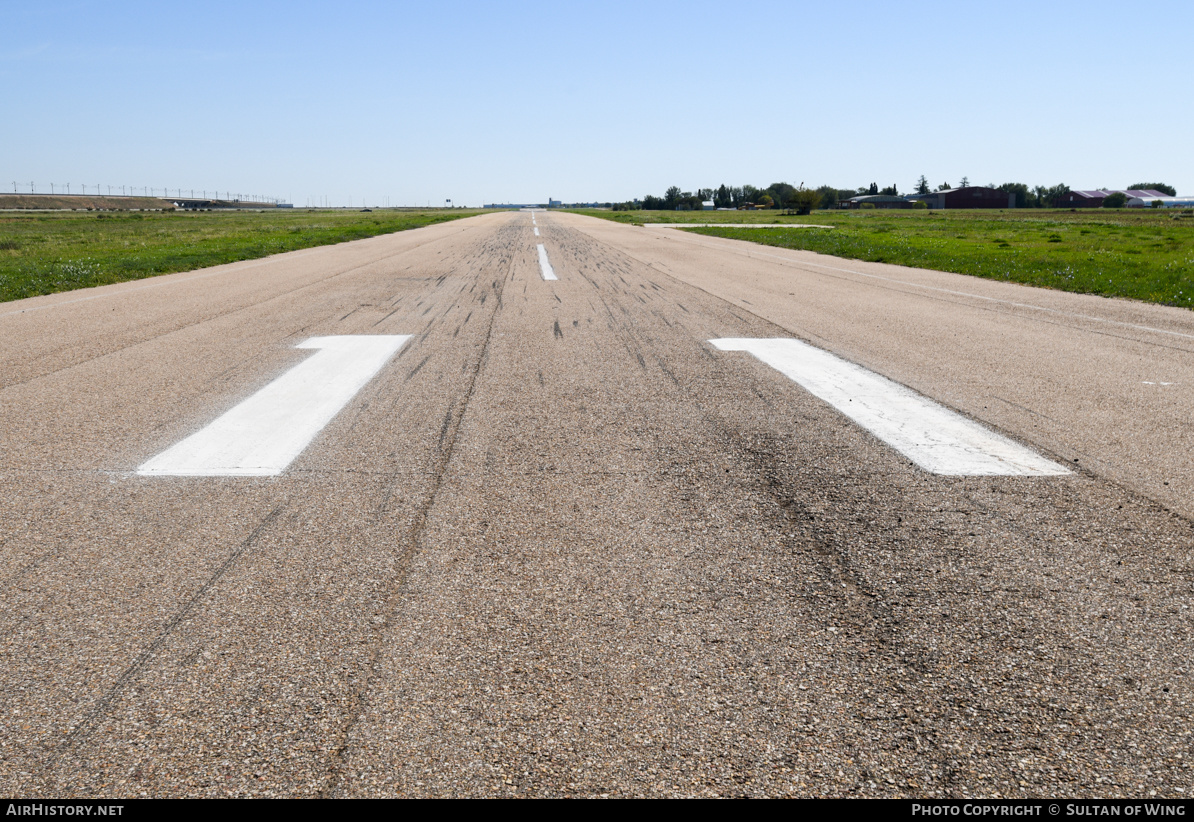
[545, 265]
[262, 435]
[536, 231]
[933, 437]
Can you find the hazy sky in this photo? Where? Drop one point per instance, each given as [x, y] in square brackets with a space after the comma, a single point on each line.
[515, 102]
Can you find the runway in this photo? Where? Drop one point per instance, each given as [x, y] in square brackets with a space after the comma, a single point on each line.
[545, 536]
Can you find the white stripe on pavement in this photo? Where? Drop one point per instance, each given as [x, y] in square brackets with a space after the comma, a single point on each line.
[935, 438]
[544, 265]
[536, 231]
[262, 435]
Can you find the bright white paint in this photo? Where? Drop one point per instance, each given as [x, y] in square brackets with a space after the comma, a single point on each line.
[544, 265]
[536, 231]
[935, 438]
[262, 435]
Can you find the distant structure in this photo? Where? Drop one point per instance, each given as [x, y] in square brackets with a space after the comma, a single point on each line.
[553, 203]
[968, 197]
[1166, 202]
[878, 201]
[1094, 198]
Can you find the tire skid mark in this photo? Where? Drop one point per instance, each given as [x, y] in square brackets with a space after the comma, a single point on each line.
[409, 545]
[212, 318]
[840, 578]
[83, 729]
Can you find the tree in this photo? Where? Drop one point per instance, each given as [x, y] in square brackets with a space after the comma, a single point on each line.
[829, 196]
[872, 189]
[803, 200]
[722, 198]
[944, 187]
[765, 200]
[891, 191]
[1053, 194]
[1170, 190]
[965, 182]
[1020, 190]
[780, 192]
[1115, 199]
[671, 198]
[922, 185]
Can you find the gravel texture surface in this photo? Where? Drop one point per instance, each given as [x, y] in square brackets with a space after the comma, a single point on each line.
[560, 546]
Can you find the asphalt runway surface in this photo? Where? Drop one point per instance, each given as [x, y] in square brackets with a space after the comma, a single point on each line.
[561, 544]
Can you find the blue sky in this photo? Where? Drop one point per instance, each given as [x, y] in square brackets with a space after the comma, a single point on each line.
[515, 102]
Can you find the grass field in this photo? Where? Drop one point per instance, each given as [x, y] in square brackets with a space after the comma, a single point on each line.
[41, 253]
[1144, 255]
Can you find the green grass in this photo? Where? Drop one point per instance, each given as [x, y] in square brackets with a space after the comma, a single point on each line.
[41, 253]
[1144, 255]
[644, 217]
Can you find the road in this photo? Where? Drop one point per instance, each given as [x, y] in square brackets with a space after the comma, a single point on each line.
[556, 542]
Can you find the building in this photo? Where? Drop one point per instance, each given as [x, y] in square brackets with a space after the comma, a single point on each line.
[1094, 198]
[1165, 201]
[968, 197]
[878, 201]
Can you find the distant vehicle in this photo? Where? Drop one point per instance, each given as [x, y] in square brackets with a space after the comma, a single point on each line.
[367, 209]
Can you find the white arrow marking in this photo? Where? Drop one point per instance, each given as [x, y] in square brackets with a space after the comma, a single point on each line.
[545, 265]
[262, 435]
[933, 437]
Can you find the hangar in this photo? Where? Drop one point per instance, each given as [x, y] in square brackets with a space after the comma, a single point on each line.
[968, 197]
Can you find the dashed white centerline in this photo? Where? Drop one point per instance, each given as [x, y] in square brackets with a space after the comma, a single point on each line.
[536, 231]
[937, 439]
[545, 265]
[262, 435]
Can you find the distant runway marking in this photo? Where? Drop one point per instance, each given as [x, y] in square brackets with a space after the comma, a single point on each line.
[938, 440]
[545, 265]
[263, 435]
[536, 231]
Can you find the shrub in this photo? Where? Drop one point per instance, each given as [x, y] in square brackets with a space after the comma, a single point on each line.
[1115, 199]
[866, 205]
[803, 200]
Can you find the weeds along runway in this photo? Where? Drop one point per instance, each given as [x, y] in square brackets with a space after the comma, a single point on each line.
[561, 544]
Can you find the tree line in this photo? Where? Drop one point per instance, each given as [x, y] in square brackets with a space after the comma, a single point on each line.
[801, 199]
